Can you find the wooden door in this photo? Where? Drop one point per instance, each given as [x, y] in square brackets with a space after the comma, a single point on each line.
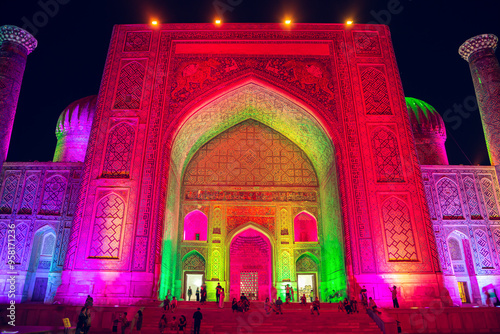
[39, 289]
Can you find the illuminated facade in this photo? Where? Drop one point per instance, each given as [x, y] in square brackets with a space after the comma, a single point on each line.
[255, 156]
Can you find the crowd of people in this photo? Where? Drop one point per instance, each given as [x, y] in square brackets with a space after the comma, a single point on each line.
[180, 323]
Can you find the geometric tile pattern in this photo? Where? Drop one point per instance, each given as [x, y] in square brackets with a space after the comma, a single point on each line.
[306, 264]
[428, 195]
[44, 265]
[455, 251]
[249, 284]
[29, 196]
[366, 43]
[252, 154]
[285, 262]
[386, 156]
[472, 201]
[375, 92]
[194, 262]
[489, 198]
[3, 243]
[496, 237]
[107, 231]
[9, 193]
[215, 264]
[21, 235]
[482, 249]
[119, 152]
[129, 91]
[398, 231]
[137, 41]
[53, 196]
[257, 103]
[448, 199]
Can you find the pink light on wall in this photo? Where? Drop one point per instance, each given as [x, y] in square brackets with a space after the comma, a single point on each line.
[195, 226]
[305, 227]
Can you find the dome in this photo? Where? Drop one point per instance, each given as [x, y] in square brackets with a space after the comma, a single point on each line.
[73, 130]
[429, 132]
[77, 117]
[424, 119]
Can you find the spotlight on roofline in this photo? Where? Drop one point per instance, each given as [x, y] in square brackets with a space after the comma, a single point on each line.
[349, 22]
[288, 22]
[154, 22]
[218, 21]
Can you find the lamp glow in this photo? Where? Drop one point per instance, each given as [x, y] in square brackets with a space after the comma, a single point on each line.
[218, 21]
[155, 23]
[349, 22]
[288, 22]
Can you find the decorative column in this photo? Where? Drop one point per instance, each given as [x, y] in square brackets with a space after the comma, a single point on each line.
[479, 51]
[15, 45]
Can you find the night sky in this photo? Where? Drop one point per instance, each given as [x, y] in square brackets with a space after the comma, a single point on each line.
[73, 42]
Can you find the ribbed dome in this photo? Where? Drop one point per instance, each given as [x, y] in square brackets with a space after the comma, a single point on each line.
[77, 117]
[424, 119]
[73, 130]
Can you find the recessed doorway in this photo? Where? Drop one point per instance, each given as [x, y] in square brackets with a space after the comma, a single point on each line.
[193, 280]
[306, 285]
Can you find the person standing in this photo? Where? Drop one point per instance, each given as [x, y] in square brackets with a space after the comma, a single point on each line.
[197, 294]
[124, 322]
[190, 292]
[364, 299]
[166, 304]
[217, 292]
[394, 293]
[203, 295]
[173, 304]
[221, 298]
[87, 324]
[315, 306]
[287, 290]
[163, 323]
[311, 295]
[197, 316]
[82, 321]
[137, 321]
[291, 292]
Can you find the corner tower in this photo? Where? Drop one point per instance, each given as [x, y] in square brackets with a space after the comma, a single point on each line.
[479, 51]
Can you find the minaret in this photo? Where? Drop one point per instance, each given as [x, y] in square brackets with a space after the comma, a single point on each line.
[15, 45]
[479, 51]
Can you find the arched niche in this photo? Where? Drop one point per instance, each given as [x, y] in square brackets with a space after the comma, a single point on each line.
[305, 228]
[40, 285]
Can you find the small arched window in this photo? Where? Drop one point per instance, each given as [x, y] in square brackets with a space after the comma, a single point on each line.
[49, 243]
[305, 227]
[195, 226]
